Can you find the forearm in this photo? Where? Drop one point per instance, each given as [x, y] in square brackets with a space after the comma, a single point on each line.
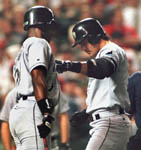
[73, 66]
[40, 91]
[45, 104]
[39, 84]
[64, 128]
[84, 67]
[95, 68]
[6, 136]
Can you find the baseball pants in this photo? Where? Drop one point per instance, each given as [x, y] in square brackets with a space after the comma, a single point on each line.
[24, 118]
[109, 133]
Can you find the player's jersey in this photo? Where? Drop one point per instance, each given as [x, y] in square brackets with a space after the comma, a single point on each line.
[9, 102]
[110, 91]
[35, 52]
[134, 90]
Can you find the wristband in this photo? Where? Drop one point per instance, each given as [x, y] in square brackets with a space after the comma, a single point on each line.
[45, 106]
[74, 66]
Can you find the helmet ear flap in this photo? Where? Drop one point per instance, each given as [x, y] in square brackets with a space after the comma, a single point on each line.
[93, 40]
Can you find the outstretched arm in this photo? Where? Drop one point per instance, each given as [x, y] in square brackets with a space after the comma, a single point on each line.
[97, 68]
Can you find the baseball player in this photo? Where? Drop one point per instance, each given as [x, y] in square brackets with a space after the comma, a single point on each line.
[107, 97]
[9, 102]
[61, 122]
[36, 82]
[134, 87]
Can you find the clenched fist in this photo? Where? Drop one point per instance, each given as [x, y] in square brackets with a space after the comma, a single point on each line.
[62, 66]
[45, 127]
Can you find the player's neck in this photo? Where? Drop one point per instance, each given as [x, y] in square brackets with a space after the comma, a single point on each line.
[103, 43]
[34, 32]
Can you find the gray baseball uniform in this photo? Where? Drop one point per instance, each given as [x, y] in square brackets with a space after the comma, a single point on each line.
[62, 107]
[10, 101]
[105, 98]
[25, 116]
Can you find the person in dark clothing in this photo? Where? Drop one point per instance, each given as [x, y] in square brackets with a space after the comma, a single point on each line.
[134, 87]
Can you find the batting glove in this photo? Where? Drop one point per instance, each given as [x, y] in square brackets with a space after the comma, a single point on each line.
[45, 127]
[63, 66]
[65, 146]
[79, 118]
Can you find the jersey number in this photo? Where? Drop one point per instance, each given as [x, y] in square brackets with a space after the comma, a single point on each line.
[17, 76]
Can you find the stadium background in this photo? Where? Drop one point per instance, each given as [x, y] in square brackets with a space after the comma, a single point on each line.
[120, 18]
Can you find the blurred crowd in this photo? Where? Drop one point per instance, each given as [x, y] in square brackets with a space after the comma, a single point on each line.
[120, 18]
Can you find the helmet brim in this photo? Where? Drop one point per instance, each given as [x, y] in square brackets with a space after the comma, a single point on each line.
[79, 41]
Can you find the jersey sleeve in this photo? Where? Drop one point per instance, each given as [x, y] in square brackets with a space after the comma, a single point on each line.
[10, 101]
[38, 55]
[116, 56]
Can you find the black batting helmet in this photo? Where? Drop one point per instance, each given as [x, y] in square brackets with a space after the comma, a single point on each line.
[88, 28]
[38, 16]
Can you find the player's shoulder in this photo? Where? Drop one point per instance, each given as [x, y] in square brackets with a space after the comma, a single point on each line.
[113, 46]
[110, 49]
[136, 75]
[135, 79]
[12, 93]
[35, 40]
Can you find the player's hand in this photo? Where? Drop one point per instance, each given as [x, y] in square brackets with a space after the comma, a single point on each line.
[65, 146]
[45, 127]
[62, 66]
[79, 118]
